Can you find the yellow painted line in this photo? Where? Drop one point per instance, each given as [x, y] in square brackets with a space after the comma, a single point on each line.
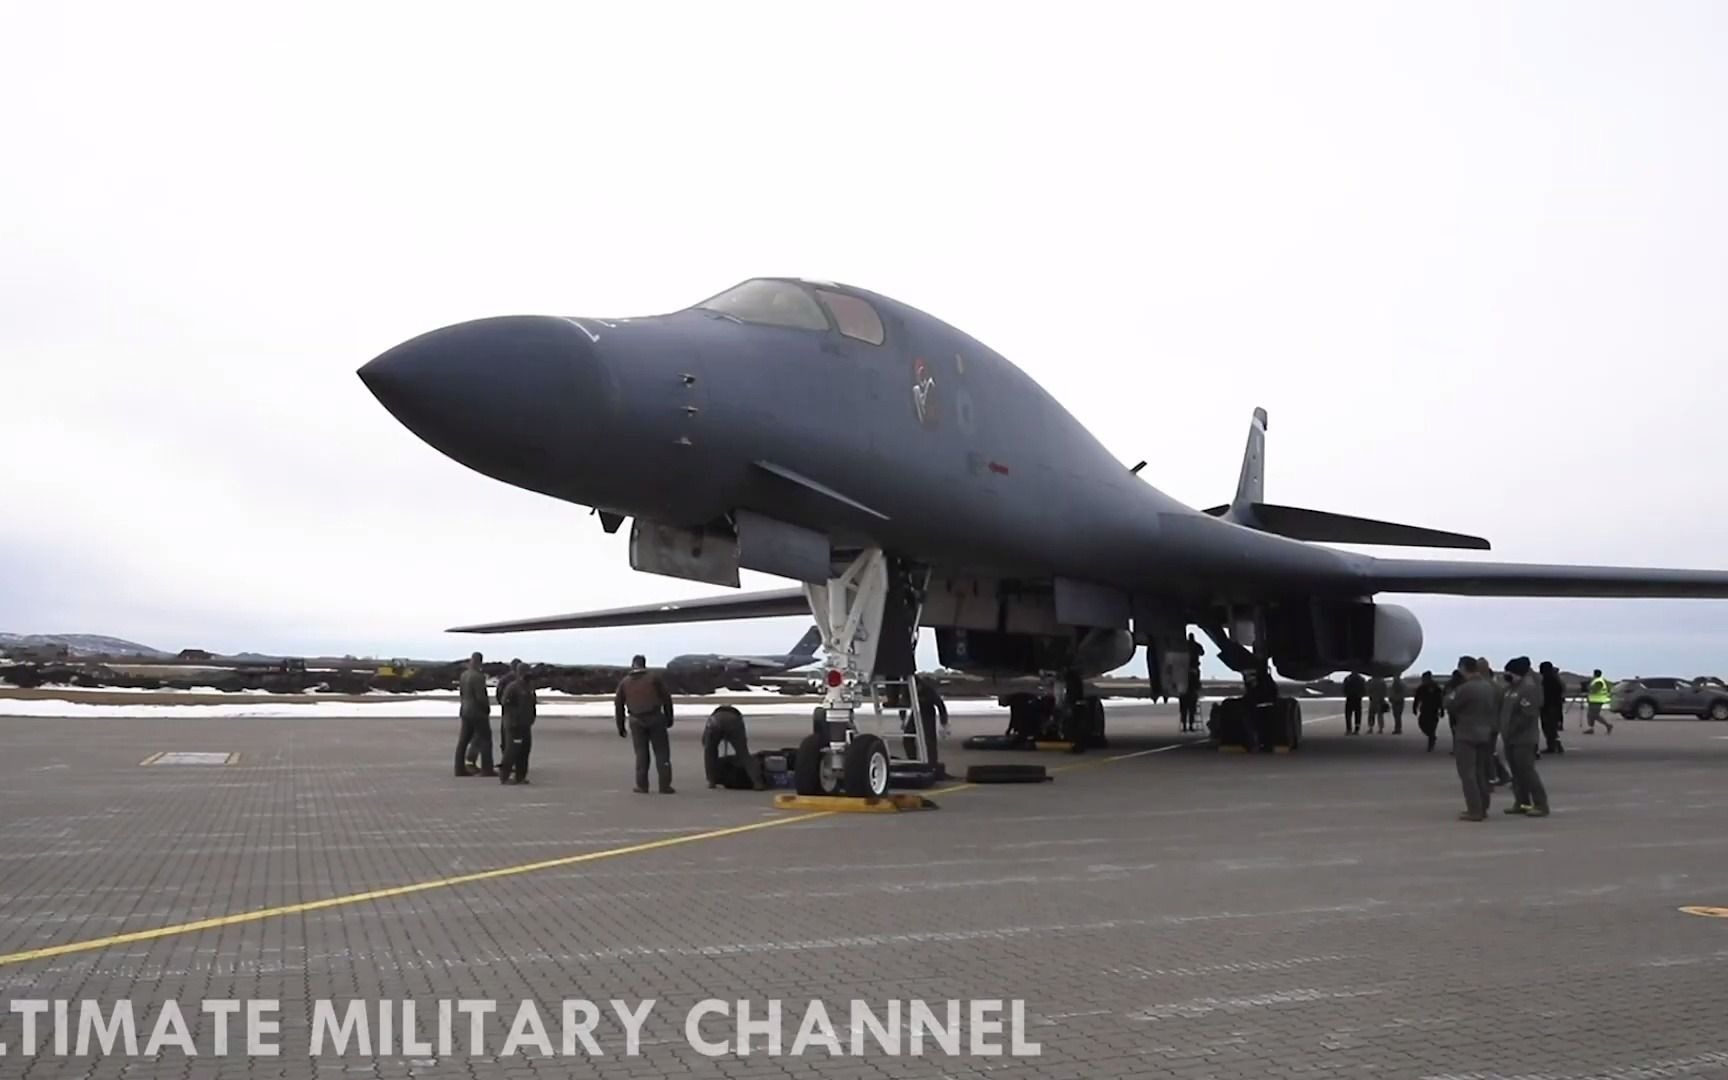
[232, 759]
[262, 914]
[892, 803]
[1707, 912]
[151, 760]
[386, 894]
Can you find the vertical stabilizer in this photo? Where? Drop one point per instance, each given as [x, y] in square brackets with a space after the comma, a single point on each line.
[807, 644]
[1251, 484]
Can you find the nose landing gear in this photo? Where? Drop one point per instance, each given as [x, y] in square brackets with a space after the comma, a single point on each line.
[870, 604]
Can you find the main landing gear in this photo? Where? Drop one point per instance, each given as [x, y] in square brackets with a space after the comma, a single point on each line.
[868, 617]
[1259, 720]
[1059, 712]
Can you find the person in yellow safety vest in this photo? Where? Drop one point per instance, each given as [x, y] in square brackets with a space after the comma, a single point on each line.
[1599, 693]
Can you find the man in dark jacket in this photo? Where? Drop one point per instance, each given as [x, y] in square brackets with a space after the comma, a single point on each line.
[644, 712]
[1553, 708]
[1430, 702]
[1520, 719]
[1353, 689]
[519, 709]
[1475, 707]
[476, 738]
[1189, 701]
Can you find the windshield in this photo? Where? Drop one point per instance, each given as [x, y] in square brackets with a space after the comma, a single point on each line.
[775, 303]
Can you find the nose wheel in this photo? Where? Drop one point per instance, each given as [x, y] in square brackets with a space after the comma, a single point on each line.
[860, 769]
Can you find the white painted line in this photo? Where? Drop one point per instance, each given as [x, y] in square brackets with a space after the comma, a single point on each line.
[191, 757]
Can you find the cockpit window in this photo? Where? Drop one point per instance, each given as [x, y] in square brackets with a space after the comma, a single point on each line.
[855, 317]
[776, 303]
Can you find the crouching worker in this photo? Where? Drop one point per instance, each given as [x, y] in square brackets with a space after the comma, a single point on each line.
[725, 728]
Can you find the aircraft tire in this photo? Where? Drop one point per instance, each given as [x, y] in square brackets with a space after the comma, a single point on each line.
[867, 773]
[1006, 774]
[807, 766]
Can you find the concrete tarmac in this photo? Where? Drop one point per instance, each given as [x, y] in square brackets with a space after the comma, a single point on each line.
[1161, 909]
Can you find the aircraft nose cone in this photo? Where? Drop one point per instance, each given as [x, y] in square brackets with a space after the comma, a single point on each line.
[501, 396]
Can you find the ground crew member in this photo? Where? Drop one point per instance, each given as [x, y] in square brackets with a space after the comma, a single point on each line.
[1188, 702]
[476, 711]
[1553, 708]
[1452, 684]
[645, 708]
[1474, 707]
[1353, 687]
[1600, 693]
[1396, 697]
[1498, 773]
[513, 672]
[1430, 702]
[1377, 703]
[520, 707]
[726, 727]
[1520, 719]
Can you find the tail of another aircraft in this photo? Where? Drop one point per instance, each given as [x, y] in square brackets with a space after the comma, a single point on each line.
[1250, 508]
[807, 644]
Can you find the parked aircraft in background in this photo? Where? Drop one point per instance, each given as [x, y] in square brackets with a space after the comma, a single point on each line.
[726, 665]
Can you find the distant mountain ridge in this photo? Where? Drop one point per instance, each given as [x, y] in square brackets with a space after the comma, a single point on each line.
[81, 644]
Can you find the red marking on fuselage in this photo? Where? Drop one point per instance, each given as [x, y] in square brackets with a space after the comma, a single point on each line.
[999, 468]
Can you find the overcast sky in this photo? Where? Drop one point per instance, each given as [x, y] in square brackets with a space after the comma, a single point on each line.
[1472, 259]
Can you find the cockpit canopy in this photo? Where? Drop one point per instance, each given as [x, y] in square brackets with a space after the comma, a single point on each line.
[801, 306]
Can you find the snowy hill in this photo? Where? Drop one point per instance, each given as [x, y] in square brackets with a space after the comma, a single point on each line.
[80, 644]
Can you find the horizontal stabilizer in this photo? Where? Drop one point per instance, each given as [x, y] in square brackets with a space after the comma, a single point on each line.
[1318, 525]
[758, 605]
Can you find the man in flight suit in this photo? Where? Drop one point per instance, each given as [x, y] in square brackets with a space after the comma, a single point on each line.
[726, 727]
[520, 706]
[1353, 687]
[1553, 708]
[1475, 708]
[513, 672]
[1377, 704]
[1498, 773]
[1520, 718]
[644, 708]
[476, 738]
[1430, 702]
[1396, 698]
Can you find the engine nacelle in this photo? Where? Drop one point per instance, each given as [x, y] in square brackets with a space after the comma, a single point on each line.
[994, 653]
[1310, 641]
[1397, 640]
